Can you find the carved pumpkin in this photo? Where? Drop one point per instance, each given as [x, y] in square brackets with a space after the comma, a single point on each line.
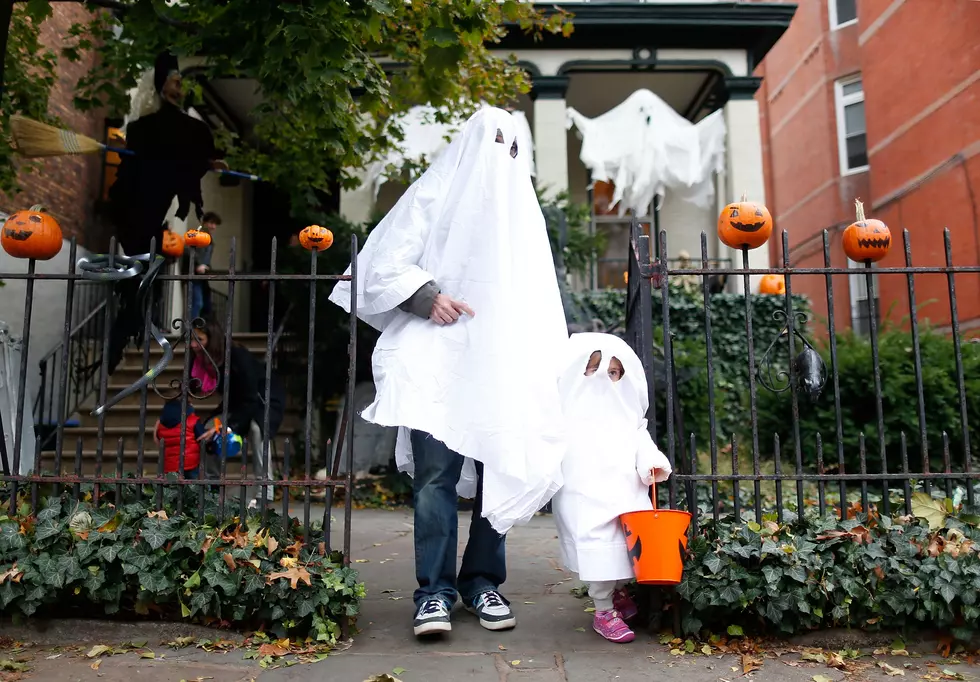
[172, 244]
[772, 284]
[602, 198]
[744, 224]
[32, 234]
[866, 241]
[197, 238]
[315, 238]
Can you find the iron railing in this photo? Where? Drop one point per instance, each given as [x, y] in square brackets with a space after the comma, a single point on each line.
[102, 466]
[753, 485]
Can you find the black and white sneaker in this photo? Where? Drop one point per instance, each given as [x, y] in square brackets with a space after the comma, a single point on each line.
[493, 611]
[432, 618]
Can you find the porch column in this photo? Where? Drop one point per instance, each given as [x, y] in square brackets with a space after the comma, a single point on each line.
[744, 172]
[550, 133]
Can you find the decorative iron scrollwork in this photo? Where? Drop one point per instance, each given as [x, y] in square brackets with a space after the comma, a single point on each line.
[194, 386]
[809, 373]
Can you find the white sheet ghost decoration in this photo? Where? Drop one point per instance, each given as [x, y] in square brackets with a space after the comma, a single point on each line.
[645, 148]
[487, 385]
[610, 455]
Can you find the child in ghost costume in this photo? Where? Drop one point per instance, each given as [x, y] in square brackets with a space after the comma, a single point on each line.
[460, 280]
[608, 469]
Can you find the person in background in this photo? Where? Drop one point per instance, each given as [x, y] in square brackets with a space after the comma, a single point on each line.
[246, 395]
[167, 430]
[201, 289]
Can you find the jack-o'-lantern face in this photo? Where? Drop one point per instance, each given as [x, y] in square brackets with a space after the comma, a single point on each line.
[772, 284]
[31, 234]
[634, 549]
[315, 238]
[744, 224]
[866, 241]
[172, 244]
[197, 238]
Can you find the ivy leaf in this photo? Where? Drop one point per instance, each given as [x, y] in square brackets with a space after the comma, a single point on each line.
[714, 563]
[773, 574]
[797, 573]
[46, 529]
[156, 532]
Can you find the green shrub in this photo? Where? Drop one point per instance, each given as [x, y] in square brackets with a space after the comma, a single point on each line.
[867, 572]
[130, 560]
[899, 403]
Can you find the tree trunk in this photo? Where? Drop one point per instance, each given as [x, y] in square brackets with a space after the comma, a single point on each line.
[6, 12]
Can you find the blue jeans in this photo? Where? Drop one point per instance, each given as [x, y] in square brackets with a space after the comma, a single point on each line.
[484, 568]
[197, 300]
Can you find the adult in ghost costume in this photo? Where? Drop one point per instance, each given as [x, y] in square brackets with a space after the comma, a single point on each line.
[608, 469]
[172, 152]
[459, 279]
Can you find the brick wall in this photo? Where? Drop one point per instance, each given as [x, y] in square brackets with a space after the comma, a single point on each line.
[67, 186]
[920, 66]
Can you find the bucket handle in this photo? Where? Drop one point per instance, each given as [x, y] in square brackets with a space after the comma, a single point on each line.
[653, 494]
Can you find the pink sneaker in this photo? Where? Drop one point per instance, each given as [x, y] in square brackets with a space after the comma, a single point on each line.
[624, 603]
[610, 625]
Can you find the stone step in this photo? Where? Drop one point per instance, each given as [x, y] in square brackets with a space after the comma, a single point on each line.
[89, 435]
[128, 415]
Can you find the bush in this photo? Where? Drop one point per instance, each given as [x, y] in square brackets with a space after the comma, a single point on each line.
[899, 402]
[130, 560]
[867, 572]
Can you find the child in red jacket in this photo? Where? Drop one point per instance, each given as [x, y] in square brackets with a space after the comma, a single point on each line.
[168, 431]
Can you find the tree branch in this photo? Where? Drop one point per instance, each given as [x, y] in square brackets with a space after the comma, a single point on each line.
[118, 6]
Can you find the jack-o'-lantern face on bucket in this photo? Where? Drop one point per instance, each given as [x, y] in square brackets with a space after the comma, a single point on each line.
[745, 224]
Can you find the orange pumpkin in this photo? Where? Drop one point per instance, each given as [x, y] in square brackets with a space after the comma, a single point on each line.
[197, 238]
[602, 196]
[172, 244]
[772, 284]
[744, 224]
[866, 241]
[315, 238]
[32, 234]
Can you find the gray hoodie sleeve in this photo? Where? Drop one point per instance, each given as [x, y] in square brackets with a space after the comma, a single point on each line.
[420, 303]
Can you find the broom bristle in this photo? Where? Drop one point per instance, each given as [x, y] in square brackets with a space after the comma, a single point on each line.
[34, 139]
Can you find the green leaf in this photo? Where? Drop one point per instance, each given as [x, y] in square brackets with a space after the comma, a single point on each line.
[735, 631]
[381, 7]
[714, 563]
[773, 574]
[194, 581]
[797, 573]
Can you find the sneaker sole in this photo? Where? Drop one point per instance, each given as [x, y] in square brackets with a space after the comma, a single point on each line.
[495, 625]
[624, 639]
[434, 628]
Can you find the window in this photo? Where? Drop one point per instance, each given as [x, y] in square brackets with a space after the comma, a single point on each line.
[842, 13]
[852, 138]
[860, 300]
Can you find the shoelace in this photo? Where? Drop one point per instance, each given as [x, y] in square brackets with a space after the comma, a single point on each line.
[431, 607]
[492, 599]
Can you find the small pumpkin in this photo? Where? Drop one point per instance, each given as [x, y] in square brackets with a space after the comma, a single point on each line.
[32, 234]
[744, 224]
[866, 241]
[172, 244]
[315, 238]
[197, 238]
[772, 284]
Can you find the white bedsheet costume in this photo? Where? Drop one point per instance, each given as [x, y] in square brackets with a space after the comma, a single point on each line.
[610, 455]
[486, 386]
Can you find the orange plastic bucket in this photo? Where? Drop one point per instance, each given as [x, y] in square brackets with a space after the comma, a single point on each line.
[657, 540]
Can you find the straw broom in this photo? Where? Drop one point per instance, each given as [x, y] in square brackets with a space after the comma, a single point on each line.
[34, 139]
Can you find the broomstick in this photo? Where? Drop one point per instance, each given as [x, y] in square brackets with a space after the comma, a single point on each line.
[34, 139]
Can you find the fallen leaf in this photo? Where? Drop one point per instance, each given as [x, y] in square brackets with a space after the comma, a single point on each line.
[398, 671]
[162, 515]
[294, 575]
[273, 650]
[750, 664]
[147, 654]
[502, 647]
[272, 544]
[96, 664]
[813, 656]
[361, 561]
[516, 663]
[890, 670]
[384, 677]
[529, 602]
[98, 650]
[229, 561]
[579, 629]
[822, 678]
[14, 574]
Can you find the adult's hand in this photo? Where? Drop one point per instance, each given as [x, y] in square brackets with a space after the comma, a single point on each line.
[446, 310]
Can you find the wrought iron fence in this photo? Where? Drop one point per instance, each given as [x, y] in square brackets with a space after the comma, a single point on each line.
[116, 302]
[821, 458]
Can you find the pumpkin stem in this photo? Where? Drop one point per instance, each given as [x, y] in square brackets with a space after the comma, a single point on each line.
[859, 210]
[745, 196]
[37, 208]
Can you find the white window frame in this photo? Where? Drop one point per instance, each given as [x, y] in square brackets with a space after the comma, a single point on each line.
[832, 11]
[840, 101]
[857, 285]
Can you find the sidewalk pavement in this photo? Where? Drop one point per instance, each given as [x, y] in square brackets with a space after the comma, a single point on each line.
[553, 641]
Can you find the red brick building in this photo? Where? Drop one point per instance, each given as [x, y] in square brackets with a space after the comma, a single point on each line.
[877, 100]
[67, 186]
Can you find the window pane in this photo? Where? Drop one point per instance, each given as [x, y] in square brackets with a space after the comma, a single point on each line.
[852, 88]
[854, 119]
[846, 11]
[857, 151]
[610, 273]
